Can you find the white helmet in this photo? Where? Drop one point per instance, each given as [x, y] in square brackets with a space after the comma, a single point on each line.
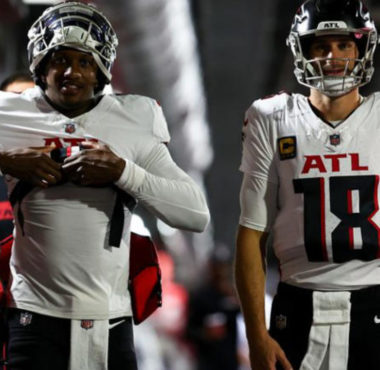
[333, 17]
[74, 25]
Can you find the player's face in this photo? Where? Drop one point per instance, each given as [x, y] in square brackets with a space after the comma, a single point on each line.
[70, 80]
[336, 54]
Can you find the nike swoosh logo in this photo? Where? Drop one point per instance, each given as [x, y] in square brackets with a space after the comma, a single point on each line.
[376, 319]
[121, 321]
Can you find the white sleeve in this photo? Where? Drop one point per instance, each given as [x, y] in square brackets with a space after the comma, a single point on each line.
[166, 191]
[258, 145]
[258, 195]
[258, 203]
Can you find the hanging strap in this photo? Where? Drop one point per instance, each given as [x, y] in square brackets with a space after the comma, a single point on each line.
[329, 334]
[117, 219]
[89, 345]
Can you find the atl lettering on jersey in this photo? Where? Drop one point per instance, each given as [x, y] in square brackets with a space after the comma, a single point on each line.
[63, 142]
[332, 162]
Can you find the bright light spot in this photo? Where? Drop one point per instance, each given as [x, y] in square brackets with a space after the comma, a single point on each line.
[138, 226]
[165, 229]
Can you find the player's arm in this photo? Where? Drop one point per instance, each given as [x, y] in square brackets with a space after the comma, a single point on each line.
[159, 184]
[166, 190]
[32, 165]
[258, 210]
[258, 203]
[265, 352]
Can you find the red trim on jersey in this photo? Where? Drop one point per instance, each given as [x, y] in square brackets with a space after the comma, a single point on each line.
[376, 203]
[68, 151]
[6, 240]
[6, 212]
[349, 210]
[323, 220]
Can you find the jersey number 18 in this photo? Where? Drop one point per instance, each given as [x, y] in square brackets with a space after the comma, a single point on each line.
[343, 242]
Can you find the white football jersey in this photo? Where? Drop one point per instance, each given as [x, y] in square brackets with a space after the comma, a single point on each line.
[62, 264]
[326, 231]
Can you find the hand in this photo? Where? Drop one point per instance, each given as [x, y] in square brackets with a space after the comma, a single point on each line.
[94, 165]
[266, 353]
[33, 165]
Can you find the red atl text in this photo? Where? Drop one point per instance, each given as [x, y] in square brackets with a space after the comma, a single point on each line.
[60, 142]
[332, 162]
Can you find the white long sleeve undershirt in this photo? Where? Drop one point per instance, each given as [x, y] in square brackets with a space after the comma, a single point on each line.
[166, 191]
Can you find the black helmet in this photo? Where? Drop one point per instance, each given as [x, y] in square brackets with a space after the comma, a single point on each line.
[333, 17]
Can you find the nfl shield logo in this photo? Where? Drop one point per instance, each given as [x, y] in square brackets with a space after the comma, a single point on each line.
[335, 139]
[280, 322]
[25, 318]
[87, 324]
[70, 127]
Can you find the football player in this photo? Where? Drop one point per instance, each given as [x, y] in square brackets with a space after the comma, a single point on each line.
[311, 179]
[76, 161]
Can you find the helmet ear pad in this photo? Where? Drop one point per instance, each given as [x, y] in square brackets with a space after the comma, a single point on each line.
[306, 43]
[102, 82]
[39, 74]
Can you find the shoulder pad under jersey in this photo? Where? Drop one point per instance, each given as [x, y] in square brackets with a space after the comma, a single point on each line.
[148, 112]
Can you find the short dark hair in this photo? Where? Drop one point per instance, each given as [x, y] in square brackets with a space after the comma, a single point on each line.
[19, 76]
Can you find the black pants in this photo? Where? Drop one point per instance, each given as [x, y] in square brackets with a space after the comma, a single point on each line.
[291, 320]
[44, 343]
